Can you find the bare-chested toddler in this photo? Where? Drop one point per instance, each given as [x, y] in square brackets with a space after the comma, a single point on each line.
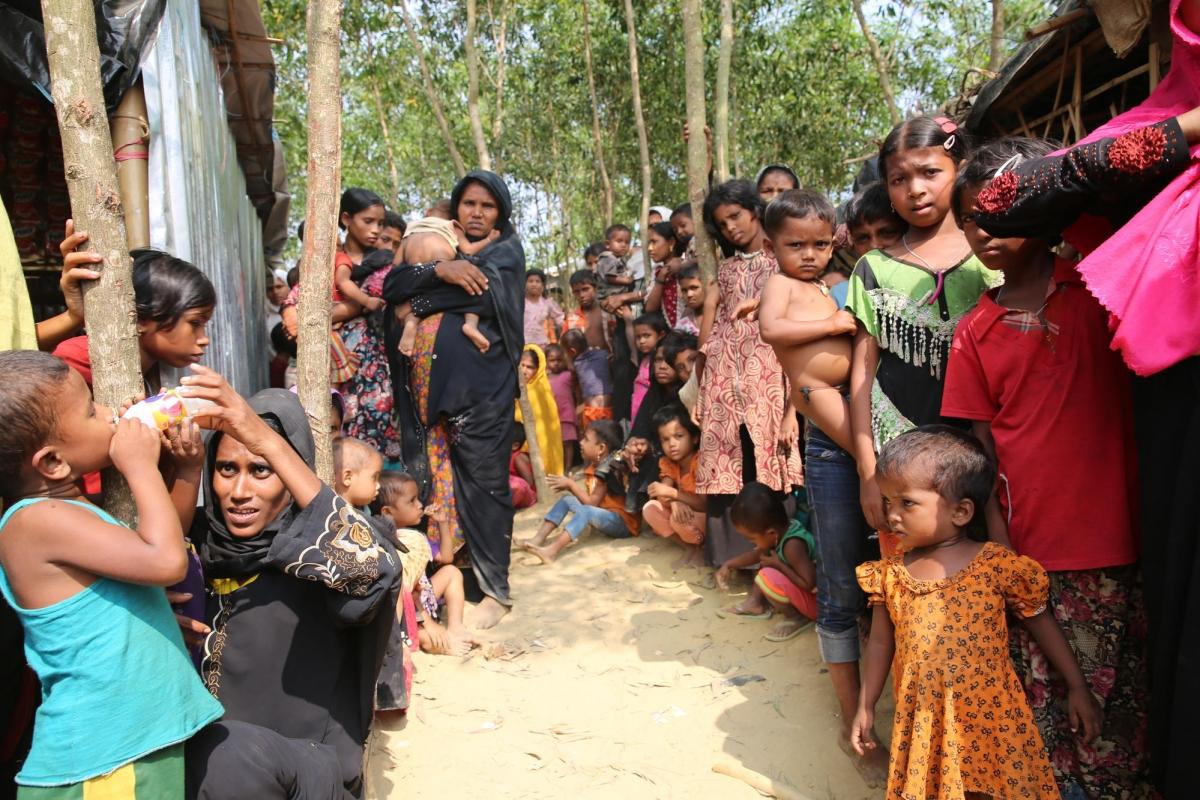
[436, 237]
[799, 319]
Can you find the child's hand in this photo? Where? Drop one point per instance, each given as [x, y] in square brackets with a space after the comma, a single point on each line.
[747, 309]
[862, 731]
[130, 403]
[661, 491]
[560, 483]
[375, 304]
[789, 432]
[769, 559]
[625, 313]
[182, 442]
[194, 631]
[134, 446]
[843, 322]
[76, 268]
[721, 576]
[1083, 710]
[680, 513]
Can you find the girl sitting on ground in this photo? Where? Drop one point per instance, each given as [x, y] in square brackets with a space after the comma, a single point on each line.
[675, 511]
[783, 550]
[597, 501]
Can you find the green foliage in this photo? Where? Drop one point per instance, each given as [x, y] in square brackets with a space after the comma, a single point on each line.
[805, 92]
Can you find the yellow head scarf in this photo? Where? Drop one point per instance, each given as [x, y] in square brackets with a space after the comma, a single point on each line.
[545, 415]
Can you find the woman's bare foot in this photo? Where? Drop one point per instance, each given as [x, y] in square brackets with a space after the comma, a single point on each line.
[488, 613]
[872, 766]
[750, 607]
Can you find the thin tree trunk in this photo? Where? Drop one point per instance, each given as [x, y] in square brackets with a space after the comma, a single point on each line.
[324, 180]
[721, 112]
[606, 198]
[481, 148]
[74, 59]
[996, 57]
[501, 67]
[697, 150]
[735, 159]
[885, 78]
[562, 194]
[387, 139]
[460, 167]
[640, 121]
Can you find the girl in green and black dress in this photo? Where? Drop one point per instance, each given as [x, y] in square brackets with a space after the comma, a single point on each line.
[908, 297]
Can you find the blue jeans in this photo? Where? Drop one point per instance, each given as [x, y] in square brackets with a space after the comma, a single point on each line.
[841, 532]
[607, 522]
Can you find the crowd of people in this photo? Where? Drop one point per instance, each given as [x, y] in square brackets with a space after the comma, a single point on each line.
[904, 420]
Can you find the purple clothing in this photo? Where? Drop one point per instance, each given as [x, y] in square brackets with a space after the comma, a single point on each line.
[543, 321]
[564, 398]
[641, 385]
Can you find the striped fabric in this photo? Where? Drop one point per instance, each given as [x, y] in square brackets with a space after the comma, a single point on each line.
[158, 776]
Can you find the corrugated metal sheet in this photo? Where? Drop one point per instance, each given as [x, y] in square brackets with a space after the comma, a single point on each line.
[199, 207]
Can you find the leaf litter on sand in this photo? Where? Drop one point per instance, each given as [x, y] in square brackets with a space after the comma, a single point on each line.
[564, 733]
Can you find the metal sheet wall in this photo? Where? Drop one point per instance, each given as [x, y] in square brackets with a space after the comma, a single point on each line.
[199, 208]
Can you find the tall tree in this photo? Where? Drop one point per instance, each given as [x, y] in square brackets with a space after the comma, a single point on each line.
[640, 122]
[996, 54]
[91, 172]
[481, 148]
[881, 64]
[324, 178]
[721, 112]
[697, 161]
[460, 168]
[606, 199]
[501, 69]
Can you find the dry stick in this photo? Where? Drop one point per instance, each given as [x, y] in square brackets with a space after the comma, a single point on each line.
[758, 782]
[697, 150]
[91, 172]
[721, 110]
[881, 66]
[439, 115]
[606, 199]
[640, 121]
[324, 179]
[535, 447]
[481, 148]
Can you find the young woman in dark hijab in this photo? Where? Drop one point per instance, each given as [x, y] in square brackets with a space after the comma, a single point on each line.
[301, 586]
[455, 403]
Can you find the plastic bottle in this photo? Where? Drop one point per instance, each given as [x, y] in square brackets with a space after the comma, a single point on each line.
[165, 408]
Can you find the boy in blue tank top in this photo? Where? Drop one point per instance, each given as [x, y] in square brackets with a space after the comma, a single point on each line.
[119, 694]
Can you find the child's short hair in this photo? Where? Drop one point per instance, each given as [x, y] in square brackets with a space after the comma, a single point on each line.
[351, 453]
[759, 508]
[584, 276]
[797, 204]
[608, 432]
[518, 431]
[922, 132]
[554, 348]
[990, 158]
[613, 230]
[683, 208]
[281, 342]
[535, 273]
[677, 342]
[391, 483]
[958, 466]
[27, 418]
[293, 277]
[871, 204]
[676, 413]
[736, 192]
[688, 272]
[652, 319]
[393, 220]
[441, 209]
[575, 340]
[300, 231]
[593, 250]
[164, 287]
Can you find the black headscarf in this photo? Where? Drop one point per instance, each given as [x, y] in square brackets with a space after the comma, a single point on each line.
[223, 554]
[508, 297]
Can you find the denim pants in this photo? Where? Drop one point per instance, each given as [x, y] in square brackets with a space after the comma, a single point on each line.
[607, 522]
[842, 536]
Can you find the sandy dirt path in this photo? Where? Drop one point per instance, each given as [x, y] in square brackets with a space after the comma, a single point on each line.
[614, 678]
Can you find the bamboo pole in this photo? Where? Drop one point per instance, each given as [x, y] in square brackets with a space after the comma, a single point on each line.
[697, 148]
[320, 239]
[73, 55]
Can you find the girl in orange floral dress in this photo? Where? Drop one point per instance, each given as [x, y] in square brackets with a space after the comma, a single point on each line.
[963, 727]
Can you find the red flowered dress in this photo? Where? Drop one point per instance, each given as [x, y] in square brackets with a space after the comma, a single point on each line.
[742, 384]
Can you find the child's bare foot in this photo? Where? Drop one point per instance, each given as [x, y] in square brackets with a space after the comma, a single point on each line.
[750, 607]
[477, 338]
[692, 556]
[488, 613]
[547, 553]
[408, 338]
[872, 766]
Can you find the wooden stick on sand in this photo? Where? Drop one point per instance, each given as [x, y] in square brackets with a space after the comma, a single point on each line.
[758, 782]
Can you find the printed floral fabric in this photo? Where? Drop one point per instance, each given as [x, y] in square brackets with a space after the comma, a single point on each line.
[1102, 615]
[742, 384]
[368, 394]
[437, 444]
[962, 722]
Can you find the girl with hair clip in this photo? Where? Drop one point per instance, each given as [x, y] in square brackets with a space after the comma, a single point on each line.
[749, 429]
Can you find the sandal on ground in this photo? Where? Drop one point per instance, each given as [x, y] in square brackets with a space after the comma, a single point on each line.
[789, 629]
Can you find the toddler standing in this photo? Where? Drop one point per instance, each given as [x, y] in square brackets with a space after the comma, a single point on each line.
[566, 398]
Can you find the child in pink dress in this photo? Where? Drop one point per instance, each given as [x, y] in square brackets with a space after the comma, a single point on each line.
[562, 385]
